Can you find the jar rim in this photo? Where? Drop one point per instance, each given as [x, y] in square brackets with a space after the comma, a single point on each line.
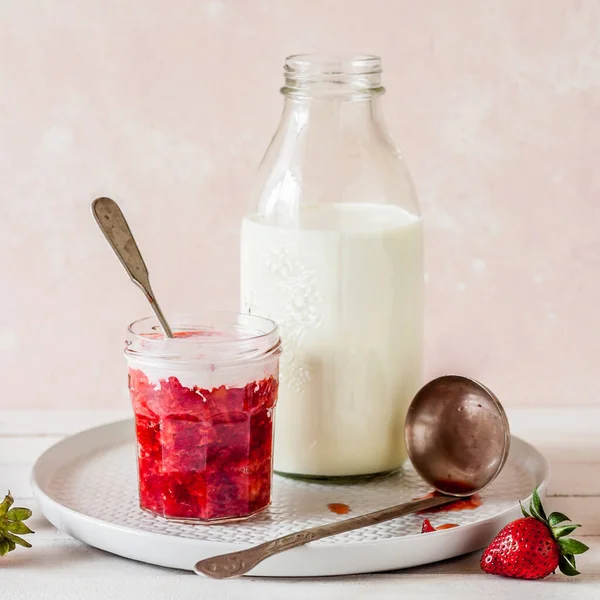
[213, 336]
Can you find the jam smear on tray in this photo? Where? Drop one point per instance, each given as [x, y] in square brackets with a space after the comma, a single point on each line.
[203, 454]
[427, 527]
[338, 508]
[468, 503]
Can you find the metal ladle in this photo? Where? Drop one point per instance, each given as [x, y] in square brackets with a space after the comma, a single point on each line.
[457, 437]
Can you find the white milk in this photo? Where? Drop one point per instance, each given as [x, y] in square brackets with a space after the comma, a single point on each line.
[346, 287]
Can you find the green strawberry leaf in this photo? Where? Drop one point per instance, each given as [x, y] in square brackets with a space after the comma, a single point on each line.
[18, 514]
[570, 547]
[525, 513]
[6, 504]
[566, 564]
[557, 517]
[536, 508]
[564, 530]
[11, 523]
[17, 540]
[17, 527]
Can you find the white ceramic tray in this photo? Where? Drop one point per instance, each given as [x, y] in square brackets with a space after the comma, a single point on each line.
[86, 486]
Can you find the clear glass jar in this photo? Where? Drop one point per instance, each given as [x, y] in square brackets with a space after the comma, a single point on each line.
[332, 251]
[204, 405]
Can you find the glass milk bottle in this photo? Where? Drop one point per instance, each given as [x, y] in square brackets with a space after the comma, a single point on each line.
[332, 251]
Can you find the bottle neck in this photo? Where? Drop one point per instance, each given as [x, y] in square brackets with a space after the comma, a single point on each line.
[329, 116]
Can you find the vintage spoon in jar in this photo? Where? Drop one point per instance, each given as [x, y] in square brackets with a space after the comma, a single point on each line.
[111, 221]
[457, 437]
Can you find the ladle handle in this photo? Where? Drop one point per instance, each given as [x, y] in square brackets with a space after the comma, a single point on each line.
[238, 563]
[112, 222]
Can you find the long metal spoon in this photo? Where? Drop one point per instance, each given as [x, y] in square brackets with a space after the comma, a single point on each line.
[458, 438]
[111, 221]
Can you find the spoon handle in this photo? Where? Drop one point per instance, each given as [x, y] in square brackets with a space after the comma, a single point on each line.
[238, 563]
[111, 221]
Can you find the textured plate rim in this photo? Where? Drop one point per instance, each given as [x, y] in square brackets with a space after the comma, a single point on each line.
[70, 520]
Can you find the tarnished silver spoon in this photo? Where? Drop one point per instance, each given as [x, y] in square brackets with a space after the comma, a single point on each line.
[457, 437]
[112, 222]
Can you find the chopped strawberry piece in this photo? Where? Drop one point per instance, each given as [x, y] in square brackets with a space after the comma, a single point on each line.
[427, 527]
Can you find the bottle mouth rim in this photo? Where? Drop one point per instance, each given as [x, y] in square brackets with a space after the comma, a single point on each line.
[332, 75]
[332, 64]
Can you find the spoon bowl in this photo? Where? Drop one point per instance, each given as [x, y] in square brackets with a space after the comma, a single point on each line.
[457, 435]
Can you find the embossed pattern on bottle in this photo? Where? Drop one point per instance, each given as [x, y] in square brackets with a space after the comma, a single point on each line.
[347, 294]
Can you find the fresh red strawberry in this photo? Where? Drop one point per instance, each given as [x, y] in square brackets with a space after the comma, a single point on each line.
[534, 546]
[427, 526]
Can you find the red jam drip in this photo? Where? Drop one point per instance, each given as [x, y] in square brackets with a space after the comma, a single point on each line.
[427, 527]
[203, 454]
[469, 503]
[338, 508]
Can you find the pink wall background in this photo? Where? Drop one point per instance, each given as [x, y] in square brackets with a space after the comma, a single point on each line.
[168, 108]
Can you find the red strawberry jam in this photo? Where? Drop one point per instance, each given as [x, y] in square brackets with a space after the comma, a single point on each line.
[203, 454]
[468, 503]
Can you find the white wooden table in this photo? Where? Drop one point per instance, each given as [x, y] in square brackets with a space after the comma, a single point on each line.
[60, 567]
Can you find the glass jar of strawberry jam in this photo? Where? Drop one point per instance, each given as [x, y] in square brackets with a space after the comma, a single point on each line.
[204, 405]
